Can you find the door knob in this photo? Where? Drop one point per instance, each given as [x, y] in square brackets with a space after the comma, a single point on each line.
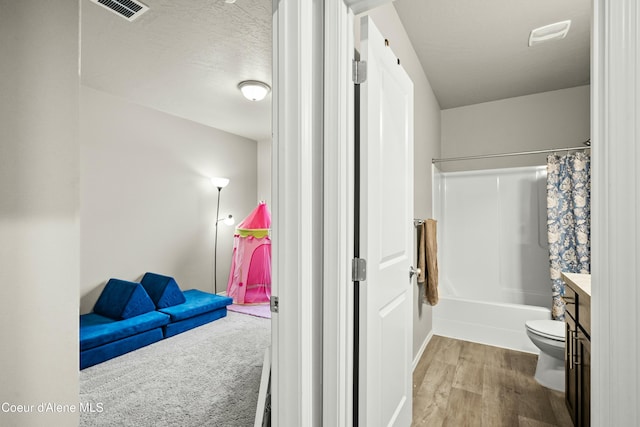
[413, 271]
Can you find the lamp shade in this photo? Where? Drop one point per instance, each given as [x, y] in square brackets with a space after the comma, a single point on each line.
[254, 90]
[220, 182]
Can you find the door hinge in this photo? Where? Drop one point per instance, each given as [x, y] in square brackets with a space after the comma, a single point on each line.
[359, 70]
[274, 304]
[358, 270]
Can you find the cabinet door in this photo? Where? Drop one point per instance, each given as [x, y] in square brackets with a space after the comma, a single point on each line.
[571, 377]
[584, 379]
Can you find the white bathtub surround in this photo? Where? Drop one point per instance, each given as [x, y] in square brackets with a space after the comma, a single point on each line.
[497, 324]
[494, 267]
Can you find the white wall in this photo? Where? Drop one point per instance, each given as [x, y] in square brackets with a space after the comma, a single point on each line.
[426, 146]
[39, 210]
[553, 119]
[264, 170]
[146, 201]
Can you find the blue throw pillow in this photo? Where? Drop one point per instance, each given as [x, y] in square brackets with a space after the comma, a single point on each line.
[122, 300]
[163, 290]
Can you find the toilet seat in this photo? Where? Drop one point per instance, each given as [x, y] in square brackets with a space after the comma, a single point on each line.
[551, 329]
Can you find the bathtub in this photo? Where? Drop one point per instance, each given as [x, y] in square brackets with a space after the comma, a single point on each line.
[493, 255]
[491, 323]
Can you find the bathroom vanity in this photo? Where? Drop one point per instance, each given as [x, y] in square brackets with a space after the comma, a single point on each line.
[578, 347]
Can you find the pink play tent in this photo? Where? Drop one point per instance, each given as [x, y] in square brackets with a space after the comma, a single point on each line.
[250, 275]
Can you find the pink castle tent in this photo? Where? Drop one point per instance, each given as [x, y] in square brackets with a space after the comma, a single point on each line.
[250, 275]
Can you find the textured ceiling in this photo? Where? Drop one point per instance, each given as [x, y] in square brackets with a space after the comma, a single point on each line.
[186, 58]
[476, 51]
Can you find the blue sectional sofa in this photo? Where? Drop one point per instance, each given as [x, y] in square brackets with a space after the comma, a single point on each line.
[187, 309]
[130, 315]
[124, 319]
[198, 309]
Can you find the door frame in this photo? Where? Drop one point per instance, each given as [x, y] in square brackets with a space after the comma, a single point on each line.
[339, 207]
[297, 191]
[615, 229]
[339, 126]
[312, 154]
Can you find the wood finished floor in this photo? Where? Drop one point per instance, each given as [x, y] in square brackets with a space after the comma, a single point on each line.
[459, 383]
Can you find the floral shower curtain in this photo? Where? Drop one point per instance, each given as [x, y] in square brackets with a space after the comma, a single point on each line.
[568, 220]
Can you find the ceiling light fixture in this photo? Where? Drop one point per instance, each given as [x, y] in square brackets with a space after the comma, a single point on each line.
[230, 1]
[254, 90]
[558, 30]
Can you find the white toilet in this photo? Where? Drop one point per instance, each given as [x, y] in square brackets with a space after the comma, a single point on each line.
[548, 336]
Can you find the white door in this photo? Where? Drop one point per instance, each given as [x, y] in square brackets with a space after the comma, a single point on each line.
[386, 235]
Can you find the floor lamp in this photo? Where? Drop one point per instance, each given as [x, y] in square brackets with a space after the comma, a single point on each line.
[220, 183]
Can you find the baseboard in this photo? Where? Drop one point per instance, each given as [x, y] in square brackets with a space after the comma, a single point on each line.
[422, 349]
[264, 394]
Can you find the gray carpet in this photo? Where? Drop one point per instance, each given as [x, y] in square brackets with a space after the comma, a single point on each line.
[208, 376]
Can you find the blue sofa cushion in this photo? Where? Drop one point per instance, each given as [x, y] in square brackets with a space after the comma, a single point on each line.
[178, 327]
[163, 290]
[96, 330]
[122, 300]
[197, 302]
[110, 350]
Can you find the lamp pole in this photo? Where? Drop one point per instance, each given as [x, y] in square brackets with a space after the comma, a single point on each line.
[215, 247]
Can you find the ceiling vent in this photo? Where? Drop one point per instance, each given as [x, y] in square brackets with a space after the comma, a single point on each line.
[558, 30]
[128, 9]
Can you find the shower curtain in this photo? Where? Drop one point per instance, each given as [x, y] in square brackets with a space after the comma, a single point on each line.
[568, 220]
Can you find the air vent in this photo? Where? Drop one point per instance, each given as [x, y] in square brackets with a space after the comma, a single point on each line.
[128, 9]
[558, 30]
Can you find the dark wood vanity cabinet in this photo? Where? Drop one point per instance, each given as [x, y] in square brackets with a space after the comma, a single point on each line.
[570, 373]
[583, 353]
[578, 354]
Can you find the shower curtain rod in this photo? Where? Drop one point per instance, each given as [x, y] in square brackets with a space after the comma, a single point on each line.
[519, 153]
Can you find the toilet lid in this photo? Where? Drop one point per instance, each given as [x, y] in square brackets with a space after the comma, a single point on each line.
[552, 329]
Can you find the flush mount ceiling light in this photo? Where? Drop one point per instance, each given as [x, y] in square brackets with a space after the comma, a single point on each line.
[254, 90]
[558, 30]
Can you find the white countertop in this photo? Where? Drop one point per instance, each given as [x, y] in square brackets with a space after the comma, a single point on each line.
[582, 281]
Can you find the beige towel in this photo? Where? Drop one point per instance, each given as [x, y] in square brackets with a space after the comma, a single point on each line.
[431, 243]
[422, 254]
